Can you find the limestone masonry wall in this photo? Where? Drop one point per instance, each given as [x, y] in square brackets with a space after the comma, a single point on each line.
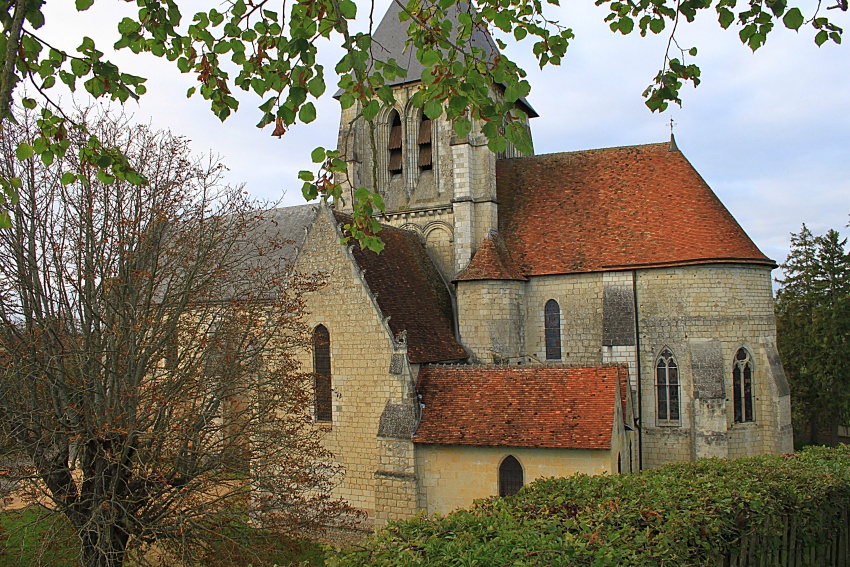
[361, 379]
[704, 314]
[452, 476]
[580, 299]
[490, 315]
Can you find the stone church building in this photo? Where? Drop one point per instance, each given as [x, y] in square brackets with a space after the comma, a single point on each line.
[596, 311]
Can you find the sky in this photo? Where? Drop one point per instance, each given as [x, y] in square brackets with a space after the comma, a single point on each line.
[768, 131]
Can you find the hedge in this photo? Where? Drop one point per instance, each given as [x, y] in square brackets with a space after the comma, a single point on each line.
[768, 510]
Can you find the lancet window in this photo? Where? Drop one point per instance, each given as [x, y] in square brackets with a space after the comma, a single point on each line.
[322, 372]
[742, 386]
[667, 387]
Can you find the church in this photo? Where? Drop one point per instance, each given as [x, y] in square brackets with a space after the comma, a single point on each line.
[588, 312]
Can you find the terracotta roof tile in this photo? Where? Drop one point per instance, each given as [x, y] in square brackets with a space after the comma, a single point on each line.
[505, 406]
[614, 208]
[411, 292]
[491, 261]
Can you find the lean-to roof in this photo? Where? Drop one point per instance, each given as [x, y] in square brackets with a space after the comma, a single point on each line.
[507, 406]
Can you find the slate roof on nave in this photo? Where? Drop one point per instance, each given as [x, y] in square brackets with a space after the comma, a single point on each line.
[409, 290]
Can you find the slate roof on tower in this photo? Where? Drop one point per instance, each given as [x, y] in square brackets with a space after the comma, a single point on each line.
[507, 406]
[409, 290]
[613, 209]
[389, 41]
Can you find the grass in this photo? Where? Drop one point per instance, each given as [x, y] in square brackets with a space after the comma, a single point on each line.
[34, 537]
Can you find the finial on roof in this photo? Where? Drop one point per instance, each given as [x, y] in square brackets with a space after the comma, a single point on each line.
[673, 146]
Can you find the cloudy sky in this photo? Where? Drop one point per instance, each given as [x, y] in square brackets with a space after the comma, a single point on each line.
[769, 132]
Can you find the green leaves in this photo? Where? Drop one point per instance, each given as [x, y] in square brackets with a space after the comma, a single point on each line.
[793, 19]
[688, 514]
[23, 151]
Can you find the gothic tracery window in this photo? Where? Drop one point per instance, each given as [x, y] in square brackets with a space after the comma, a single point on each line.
[552, 329]
[322, 371]
[510, 476]
[742, 386]
[396, 164]
[667, 387]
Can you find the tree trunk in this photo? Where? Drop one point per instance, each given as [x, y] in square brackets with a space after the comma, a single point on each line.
[104, 545]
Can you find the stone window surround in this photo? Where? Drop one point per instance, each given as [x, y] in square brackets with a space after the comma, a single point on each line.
[410, 119]
[667, 353]
[511, 476]
[739, 395]
[552, 330]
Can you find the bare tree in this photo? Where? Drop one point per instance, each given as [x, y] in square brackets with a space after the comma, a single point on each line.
[149, 391]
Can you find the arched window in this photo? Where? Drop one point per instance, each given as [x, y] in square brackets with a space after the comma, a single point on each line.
[510, 476]
[667, 387]
[425, 152]
[322, 371]
[552, 326]
[394, 145]
[742, 386]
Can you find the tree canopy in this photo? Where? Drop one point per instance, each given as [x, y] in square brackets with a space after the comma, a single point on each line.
[813, 331]
[149, 387]
[253, 46]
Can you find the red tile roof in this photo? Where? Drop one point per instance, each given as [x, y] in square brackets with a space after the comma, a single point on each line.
[410, 291]
[506, 406]
[491, 261]
[614, 208]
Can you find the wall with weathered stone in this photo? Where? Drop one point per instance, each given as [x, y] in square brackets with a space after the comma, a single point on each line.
[374, 403]
[704, 314]
[452, 476]
[580, 299]
[490, 317]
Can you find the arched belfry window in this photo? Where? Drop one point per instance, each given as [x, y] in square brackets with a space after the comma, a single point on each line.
[396, 164]
[425, 145]
[322, 372]
[510, 476]
[742, 386]
[667, 387]
[552, 328]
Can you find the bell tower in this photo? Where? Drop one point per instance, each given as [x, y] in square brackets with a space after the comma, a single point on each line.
[439, 185]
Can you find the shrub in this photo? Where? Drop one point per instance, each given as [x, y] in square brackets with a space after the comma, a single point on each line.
[684, 514]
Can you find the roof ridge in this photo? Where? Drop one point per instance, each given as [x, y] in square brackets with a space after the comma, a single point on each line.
[589, 150]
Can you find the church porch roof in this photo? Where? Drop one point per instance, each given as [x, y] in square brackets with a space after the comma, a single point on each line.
[506, 406]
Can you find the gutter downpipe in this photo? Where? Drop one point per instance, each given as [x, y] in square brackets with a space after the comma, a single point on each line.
[638, 372]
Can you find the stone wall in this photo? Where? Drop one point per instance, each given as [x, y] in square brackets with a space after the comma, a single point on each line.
[580, 298]
[435, 228]
[490, 317]
[704, 314]
[452, 476]
[372, 384]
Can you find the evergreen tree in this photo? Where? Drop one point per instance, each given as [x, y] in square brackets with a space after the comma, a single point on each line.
[813, 323]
